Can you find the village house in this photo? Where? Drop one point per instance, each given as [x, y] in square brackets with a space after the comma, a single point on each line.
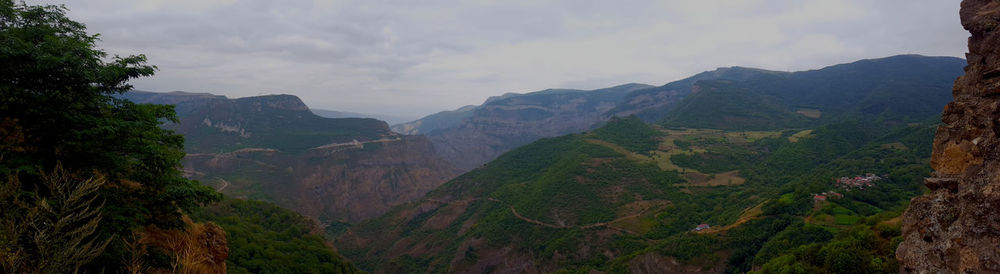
[858, 182]
[702, 227]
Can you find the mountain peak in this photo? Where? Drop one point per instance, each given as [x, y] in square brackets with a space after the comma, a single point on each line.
[278, 101]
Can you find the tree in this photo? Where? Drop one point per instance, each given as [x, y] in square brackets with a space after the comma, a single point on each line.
[59, 104]
[57, 233]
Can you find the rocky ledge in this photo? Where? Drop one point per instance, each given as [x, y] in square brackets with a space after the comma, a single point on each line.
[956, 227]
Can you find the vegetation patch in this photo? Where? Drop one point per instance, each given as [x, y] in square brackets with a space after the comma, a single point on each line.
[800, 135]
[811, 113]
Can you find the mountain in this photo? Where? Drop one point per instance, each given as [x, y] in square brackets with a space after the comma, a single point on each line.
[631, 197]
[897, 89]
[344, 114]
[273, 148]
[469, 137]
[441, 120]
[723, 104]
[653, 104]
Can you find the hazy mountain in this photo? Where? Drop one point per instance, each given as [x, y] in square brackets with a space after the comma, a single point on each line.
[273, 148]
[469, 137]
[895, 89]
[441, 120]
[653, 103]
[392, 120]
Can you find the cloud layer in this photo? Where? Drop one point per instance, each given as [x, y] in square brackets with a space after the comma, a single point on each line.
[412, 58]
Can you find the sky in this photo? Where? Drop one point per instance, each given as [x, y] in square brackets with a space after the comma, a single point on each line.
[412, 58]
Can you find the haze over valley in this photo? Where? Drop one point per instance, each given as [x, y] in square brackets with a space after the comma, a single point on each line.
[510, 137]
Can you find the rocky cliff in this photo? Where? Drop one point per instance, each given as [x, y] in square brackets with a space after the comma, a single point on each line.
[273, 148]
[346, 182]
[956, 227]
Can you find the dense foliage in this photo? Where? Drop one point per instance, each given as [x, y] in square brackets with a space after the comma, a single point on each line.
[631, 133]
[889, 91]
[729, 105]
[57, 106]
[264, 238]
[561, 185]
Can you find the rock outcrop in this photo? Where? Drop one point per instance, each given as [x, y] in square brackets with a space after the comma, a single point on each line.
[956, 227]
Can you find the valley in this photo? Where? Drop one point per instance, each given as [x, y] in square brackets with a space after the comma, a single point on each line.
[847, 167]
[272, 148]
[579, 197]
[589, 190]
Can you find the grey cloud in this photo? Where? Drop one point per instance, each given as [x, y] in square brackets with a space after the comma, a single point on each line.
[417, 57]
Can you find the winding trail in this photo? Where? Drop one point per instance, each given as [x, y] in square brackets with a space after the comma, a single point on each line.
[224, 185]
[357, 143]
[537, 222]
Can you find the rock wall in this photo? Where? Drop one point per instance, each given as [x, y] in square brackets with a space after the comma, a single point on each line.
[956, 227]
[345, 183]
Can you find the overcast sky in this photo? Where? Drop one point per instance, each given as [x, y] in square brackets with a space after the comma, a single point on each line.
[413, 58]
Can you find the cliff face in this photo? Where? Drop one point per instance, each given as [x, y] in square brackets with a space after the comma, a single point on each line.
[343, 183]
[956, 228]
[273, 148]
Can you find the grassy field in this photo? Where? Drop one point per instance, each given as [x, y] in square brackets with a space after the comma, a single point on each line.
[669, 147]
[800, 135]
[811, 113]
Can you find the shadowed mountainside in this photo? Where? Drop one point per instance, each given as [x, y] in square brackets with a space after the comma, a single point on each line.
[893, 90]
[273, 148]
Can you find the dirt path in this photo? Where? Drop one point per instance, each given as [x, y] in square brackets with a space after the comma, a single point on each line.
[537, 222]
[224, 185]
[749, 214]
[356, 143]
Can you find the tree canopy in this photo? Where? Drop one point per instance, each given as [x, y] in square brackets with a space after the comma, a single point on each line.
[59, 106]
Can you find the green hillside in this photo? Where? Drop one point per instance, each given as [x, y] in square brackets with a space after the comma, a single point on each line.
[607, 202]
[264, 238]
[215, 124]
[892, 91]
[722, 104]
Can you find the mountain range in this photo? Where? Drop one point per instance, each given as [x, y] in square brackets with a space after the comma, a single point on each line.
[718, 172]
[337, 170]
[895, 89]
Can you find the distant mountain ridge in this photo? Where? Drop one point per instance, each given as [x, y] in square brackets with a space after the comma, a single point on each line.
[896, 89]
[274, 148]
[471, 137]
[392, 120]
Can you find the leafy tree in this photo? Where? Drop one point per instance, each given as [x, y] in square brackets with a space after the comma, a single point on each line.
[264, 238]
[58, 105]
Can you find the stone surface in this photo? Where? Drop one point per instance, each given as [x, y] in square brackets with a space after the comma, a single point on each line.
[956, 227]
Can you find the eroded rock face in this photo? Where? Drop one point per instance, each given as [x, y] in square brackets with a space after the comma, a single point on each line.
[956, 228]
